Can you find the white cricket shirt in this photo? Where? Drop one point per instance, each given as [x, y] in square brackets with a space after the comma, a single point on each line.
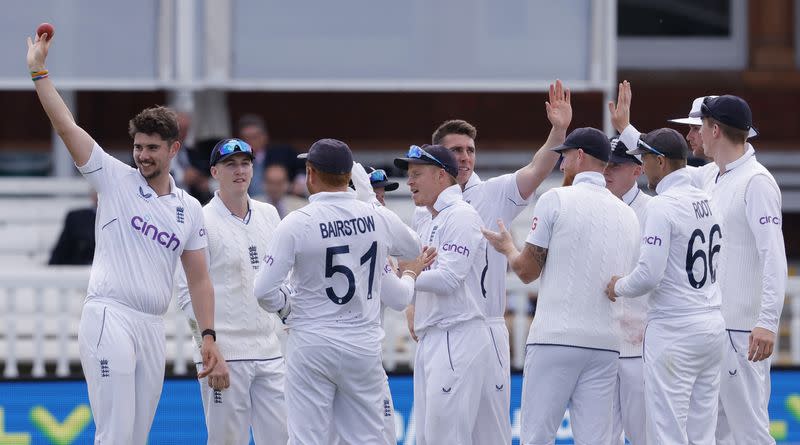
[448, 292]
[140, 235]
[235, 246]
[679, 255]
[753, 270]
[590, 235]
[336, 248]
[633, 314]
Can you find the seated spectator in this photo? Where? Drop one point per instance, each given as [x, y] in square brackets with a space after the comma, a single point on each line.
[276, 190]
[75, 246]
[253, 130]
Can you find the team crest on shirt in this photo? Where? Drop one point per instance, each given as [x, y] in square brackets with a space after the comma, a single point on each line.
[105, 371]
[253, 251]
[433, 233]
[179, 214]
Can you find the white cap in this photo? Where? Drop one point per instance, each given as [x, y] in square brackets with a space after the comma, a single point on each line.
[694, 117]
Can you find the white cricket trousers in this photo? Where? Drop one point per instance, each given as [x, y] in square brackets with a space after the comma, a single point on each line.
[494, 410]
[389, 419]
[122, 355]
[326, 383]
[254, 400]
[743, 395]
[556, 376]
[450, 375]
[629, 408]
[681, 376]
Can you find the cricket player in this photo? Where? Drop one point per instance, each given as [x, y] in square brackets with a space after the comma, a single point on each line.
[753, 269]
[752, 297]
[581, 234]
[238, 229]
[503, 198]
[678, 262]
[621, 174]
[335, 248]
[454, 340]
[144, 225]
[381, 184]
[396, 291]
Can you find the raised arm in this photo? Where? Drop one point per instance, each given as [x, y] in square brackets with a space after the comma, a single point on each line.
[78, 141]
[559, 113]
[527, 264]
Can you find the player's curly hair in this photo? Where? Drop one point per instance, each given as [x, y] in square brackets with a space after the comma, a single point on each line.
[455, 126]
[156, 120]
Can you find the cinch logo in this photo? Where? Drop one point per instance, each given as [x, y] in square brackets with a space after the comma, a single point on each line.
[769, 220]
[269, 260]
[202, 232]
[455, 248]
[151, 231]
[652, 240]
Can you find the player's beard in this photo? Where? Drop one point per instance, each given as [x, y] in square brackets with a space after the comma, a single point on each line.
[568, 178]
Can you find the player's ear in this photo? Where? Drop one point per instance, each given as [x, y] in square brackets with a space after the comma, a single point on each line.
[174, 147]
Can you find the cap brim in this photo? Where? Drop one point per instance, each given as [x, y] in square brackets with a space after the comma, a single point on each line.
[561, 148]
[617, 159]
[752, 133]
[687, 121]
[403, 162]
[387, 185]
[302, 156]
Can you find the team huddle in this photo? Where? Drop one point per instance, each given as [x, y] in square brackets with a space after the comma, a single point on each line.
[656, 315]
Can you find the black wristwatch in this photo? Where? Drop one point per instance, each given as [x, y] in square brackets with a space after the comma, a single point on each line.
[210, 332]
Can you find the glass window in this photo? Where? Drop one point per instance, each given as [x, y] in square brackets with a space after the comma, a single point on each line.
[674, 18]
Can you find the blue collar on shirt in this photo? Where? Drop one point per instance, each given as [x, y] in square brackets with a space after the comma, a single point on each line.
[332, 196]
[448, 197]
[677, 178]
[631, 194]
[748, 154]
[173, 189]
[594, 178]
[223, 210]
[474, 180]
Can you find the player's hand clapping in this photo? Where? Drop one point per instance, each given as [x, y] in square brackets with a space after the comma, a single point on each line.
[418, 264]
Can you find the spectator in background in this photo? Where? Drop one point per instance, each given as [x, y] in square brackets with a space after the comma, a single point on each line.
[253, 130]
[276, 190]
[76, 244]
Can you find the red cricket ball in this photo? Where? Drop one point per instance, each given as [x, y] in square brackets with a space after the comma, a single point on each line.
[45, 28]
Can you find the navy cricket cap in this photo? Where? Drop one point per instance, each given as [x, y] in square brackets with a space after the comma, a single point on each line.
[378, 178]
[229, 147]
[329, 156]
[619, 153]
[592, 141]
[662, 142]
[729, 110]
[437, 155]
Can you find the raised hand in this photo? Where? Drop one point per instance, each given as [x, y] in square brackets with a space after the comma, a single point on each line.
[621, 112]
[559, 106]
[37, 52]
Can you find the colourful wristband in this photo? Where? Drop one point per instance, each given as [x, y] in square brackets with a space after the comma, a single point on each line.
[38, 75]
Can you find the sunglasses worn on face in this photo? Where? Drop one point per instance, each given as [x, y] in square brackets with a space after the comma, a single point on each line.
[650, 148]
[416, 152]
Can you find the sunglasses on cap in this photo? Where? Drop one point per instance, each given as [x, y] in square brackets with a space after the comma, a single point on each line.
[233, 146]
[649, 148]
[378, 176]
[417, 152]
